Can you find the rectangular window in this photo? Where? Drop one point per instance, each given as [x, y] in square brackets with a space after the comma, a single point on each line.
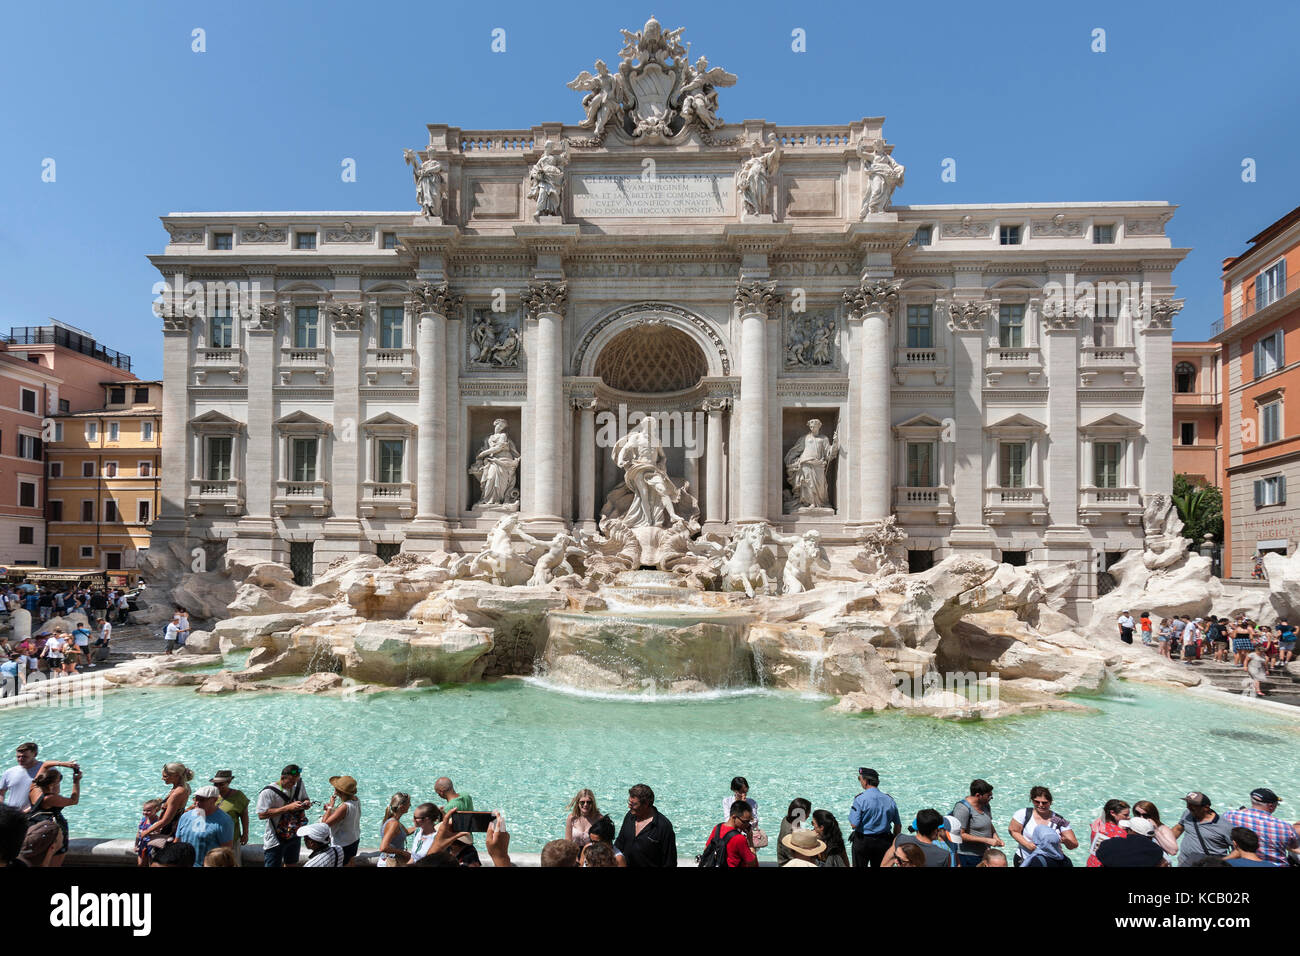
[920, 464]
[1105, 464]
[88, 512]
[302, 562]
[58, 431]
[87, 551]
[1270, 422]
[142, 395]
[1009, 235]
[1105, 323]
[920, 326]
[26, 534]
[117, 395]
[144, 469]
[26, 494]
[87, 469]
[390, 461]
[65, 406]
[142, 511]
[1011, 326]
[110, 469]
[221, 335]
[302, 465]
[219, 448]
[146, 431]
[92, 431]
[1017, 559]
[223, 240]
[56, 510]
[924, 236]
[110, 511]
[1011, 464]
[29, 447]
[306, 324]
[113, 560]
[1270, 285]
[1270, 491]
[29, 401]
[304, 240]
[392, 327]
[1103, 235]
[1269, 355]
[114, 431]
[56, 557]
[1187, 433]
[56, 469]
[390, 240]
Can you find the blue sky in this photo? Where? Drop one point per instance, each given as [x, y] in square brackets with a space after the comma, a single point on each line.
[140, 125]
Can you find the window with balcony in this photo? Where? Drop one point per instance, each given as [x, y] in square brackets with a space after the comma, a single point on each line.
[306, 327]
[1009, 235]
[1105, 464]
[920, 326]
[1011, 464]
[1185, 378]
[302, 459]
[392, 327]
[1269, 354]
[1011, 326]
[1270, 285]
[1187, 433]
[219, 449]
[920, 464]
[221, 335]
[1270, 422]
[1270, 491]
[390, 455]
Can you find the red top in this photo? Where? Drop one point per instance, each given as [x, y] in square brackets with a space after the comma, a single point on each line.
[738, 851]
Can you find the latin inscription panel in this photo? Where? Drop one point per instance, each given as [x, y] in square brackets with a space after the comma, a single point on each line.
[669, 195]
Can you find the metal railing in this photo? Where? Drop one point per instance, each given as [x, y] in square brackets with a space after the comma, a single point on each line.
[1250, 304]
[66, 338]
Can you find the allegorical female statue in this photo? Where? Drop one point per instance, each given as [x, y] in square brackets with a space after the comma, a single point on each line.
[753, 182]
[642, 459]
[805, 468]
[428, 183]
[495, 467]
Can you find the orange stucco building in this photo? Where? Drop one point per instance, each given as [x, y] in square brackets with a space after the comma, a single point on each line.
[1198, 412]
[1260, 335]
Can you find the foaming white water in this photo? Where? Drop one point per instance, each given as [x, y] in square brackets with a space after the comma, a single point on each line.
[653, 696]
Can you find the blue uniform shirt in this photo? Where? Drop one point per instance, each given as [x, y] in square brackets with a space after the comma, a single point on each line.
[874, 812]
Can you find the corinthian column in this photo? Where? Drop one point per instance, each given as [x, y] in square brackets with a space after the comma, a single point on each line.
[755, 301]
[432, 302]
[873, 304]
[546, 302]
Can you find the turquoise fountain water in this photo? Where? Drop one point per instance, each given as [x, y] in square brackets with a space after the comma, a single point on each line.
[526, 749]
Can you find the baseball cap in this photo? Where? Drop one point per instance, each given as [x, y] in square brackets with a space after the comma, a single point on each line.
[1264, 795]
[206, 792]
[1197, 799]
[320, 832]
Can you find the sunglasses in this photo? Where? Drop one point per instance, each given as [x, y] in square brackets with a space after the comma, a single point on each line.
[1042, 803]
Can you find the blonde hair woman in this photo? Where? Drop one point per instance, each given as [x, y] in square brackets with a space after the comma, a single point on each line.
[393, 832]
[583, 812]
[178, 776]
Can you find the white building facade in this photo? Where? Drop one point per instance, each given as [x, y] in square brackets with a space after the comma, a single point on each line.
[734, 280]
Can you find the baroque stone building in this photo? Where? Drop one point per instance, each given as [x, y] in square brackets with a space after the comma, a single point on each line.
[733, 280]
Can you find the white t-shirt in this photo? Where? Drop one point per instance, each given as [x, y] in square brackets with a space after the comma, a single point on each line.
[171, 632]
[1126, 621]
[17, 784]
[1029, 829]
[106, 631]
[54, 647]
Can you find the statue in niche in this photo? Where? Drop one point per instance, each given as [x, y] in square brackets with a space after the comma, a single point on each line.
[546, 179]
[806, 464]
[495, 467]
[650, 493]
[884, 175]
[809, 340]
[754, 180]
[428, 183]
[491, 344]
[805, 555]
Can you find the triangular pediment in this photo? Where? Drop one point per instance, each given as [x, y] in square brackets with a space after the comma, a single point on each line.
[387, 418]
[214, 417]
[921, 421]
[1114, 420]
[301, 418]
[1019, 421]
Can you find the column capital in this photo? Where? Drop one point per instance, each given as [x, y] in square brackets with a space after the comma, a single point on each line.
[757, 297]
[1059, 316]
[1158, 316]
[345, 316]
[435, 297]
[878, 295]
[969, 317]
[716, 404]
[546, 297]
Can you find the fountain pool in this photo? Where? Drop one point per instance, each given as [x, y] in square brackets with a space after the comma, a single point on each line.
[526, 748]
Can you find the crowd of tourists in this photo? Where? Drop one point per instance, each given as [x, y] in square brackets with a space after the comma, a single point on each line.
[1258, 649]
[43, 603]
[209, 825]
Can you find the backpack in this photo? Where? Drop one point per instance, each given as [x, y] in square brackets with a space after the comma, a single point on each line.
[715, 851]
[286, 824]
